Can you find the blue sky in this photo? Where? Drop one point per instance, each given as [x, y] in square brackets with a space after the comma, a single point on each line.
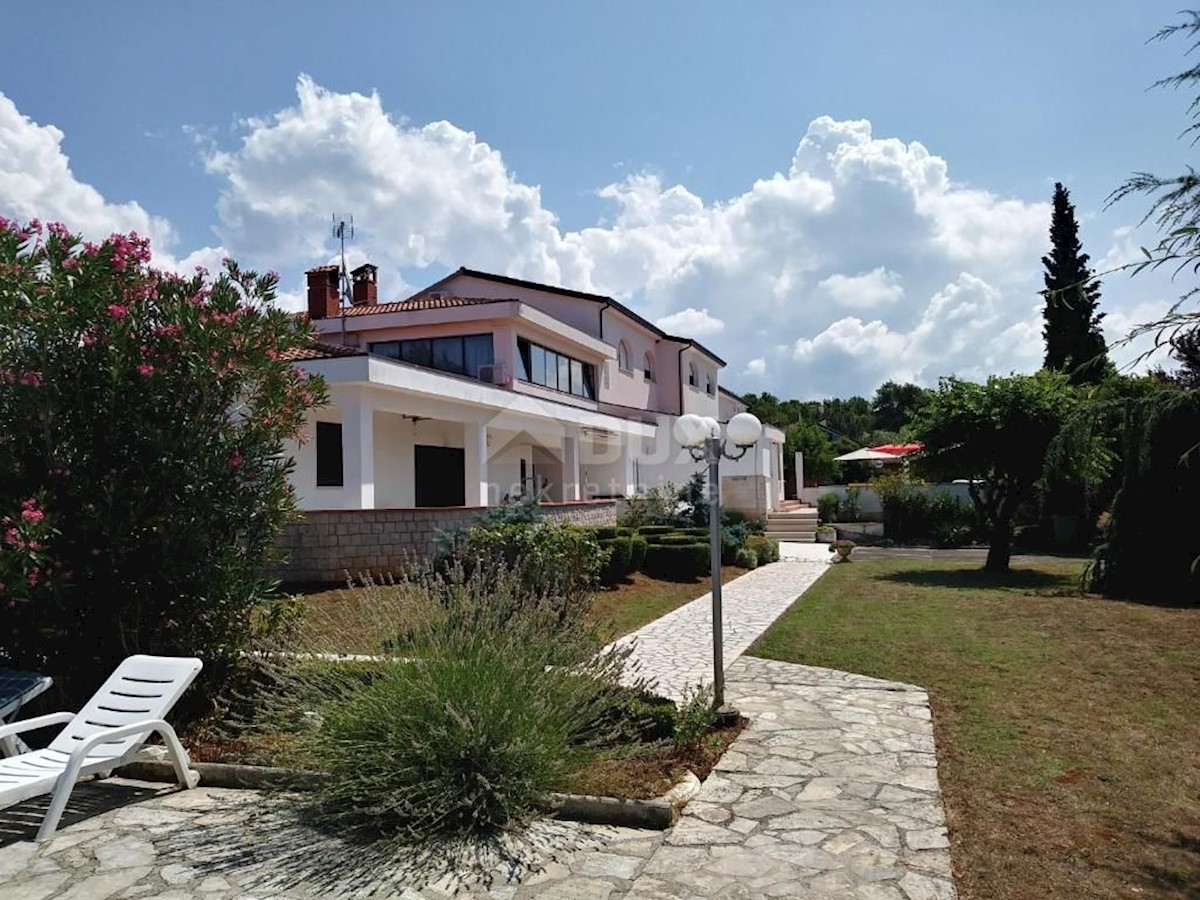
[629, 138]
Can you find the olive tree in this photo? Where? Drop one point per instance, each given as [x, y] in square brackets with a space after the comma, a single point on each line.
[997, 436]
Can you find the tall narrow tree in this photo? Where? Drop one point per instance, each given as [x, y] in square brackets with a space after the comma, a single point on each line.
[1074, 343]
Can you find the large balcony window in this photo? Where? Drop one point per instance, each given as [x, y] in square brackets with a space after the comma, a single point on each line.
[538, 365]
[461, 354]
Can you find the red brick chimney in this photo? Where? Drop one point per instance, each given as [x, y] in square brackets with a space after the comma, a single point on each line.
[323, 300]
[365, 290]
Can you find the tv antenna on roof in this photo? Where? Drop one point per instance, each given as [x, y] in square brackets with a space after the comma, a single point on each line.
[343, 230]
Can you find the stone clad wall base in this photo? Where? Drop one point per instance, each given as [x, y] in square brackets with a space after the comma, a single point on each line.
[321, 547]
[746, 494]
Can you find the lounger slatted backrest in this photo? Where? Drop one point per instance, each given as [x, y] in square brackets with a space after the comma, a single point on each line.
[141, 688]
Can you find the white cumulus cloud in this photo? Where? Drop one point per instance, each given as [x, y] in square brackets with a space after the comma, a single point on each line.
[860, 259]
[878, 287]
[691, 323]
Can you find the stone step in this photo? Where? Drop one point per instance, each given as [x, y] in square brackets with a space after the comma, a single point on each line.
[793, 537]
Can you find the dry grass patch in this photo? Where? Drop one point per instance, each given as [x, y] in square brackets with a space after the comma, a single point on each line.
[1067, 725]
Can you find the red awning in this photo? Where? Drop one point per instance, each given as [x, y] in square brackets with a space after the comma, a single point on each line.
[898, 449]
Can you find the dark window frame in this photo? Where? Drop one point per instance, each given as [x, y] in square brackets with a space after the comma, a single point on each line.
[332, 457]
[556, 363]
[420, 351]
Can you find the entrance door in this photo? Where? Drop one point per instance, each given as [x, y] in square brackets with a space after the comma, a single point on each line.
[440, 476]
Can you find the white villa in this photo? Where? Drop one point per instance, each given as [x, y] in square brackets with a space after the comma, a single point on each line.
[483, 388]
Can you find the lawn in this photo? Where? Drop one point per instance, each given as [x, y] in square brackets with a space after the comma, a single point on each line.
[1067, 726]
[641, 599]
[348, 620]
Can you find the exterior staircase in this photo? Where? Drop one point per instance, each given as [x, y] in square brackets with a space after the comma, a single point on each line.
[793, 521]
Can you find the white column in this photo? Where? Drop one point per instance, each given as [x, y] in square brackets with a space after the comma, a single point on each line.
[475, 463]
[799, 475]
[358, 451]
[570, 468]
[407, 433]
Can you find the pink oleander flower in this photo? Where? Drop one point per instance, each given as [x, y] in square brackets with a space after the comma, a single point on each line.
[33, 379]
[32, 514]
[235, 459]
[118, 311]
[145, 369]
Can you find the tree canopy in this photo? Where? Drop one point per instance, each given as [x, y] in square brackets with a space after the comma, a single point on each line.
[1074, 342]
[996, 435]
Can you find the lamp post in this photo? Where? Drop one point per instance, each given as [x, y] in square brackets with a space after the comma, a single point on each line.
[701, 437]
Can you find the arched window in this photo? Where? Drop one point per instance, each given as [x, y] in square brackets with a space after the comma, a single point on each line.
[648, 367]
[710, 386]
[623, 357]
[693, 375]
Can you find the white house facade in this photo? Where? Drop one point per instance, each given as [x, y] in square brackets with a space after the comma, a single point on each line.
[482, 389]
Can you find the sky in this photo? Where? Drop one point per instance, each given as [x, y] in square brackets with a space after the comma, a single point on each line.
[828, 195]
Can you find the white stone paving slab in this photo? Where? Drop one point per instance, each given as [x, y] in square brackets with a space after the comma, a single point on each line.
[675, 652]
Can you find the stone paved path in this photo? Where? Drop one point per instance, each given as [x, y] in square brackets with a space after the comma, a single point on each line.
[675, 652]
[830, 794]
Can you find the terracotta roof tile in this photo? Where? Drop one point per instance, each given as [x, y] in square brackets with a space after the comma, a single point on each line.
[418, 304]
[318, 351]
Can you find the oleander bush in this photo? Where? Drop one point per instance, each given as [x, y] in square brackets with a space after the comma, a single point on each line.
[144, 421]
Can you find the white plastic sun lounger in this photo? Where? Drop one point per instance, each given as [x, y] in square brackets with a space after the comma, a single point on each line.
[130, 706]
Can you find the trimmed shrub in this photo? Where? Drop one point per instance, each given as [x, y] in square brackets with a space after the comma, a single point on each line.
[618, 564]
[637, 553]
[850, 511]
[649, 530]
[765, 548]
[604, 532]
[694, 532]
[733, 539]
[827, 507]
[674, 539]
[558, 560]
[746, 558]
[677, 562]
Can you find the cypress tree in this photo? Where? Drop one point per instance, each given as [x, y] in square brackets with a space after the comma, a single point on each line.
[1074, 343]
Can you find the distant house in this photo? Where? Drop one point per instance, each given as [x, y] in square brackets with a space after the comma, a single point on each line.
[483, 388]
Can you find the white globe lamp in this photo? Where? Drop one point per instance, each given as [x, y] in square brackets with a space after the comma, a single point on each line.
[712, 427]
[744, 430]
[690, 430]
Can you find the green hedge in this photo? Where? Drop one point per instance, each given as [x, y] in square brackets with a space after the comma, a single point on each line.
[694, 532]
[676, 562]
[605, 532]
[637, 553]
[620, 553]
[765, 548]
[649, 530]
[674, 539]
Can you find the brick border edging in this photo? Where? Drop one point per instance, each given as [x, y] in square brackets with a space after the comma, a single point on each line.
[658, 814]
